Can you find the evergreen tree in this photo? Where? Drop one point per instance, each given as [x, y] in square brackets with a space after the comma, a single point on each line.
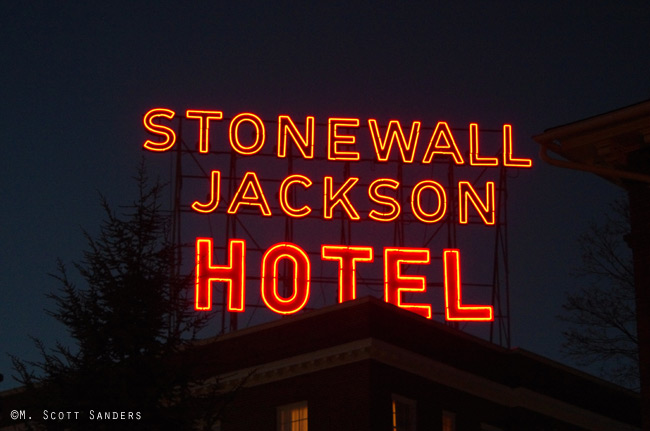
[131, 322]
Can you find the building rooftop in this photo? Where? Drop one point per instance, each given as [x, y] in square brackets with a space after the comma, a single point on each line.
[371, 329]
[608, 144]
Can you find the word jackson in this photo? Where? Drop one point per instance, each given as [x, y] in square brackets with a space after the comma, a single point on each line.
[340, 144]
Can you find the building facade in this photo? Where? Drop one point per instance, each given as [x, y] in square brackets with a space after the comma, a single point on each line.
[367, 365]
[616, 146]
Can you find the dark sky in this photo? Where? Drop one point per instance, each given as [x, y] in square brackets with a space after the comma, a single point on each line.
[77, 79]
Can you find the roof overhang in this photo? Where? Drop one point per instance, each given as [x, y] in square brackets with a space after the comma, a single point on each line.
[607, 144]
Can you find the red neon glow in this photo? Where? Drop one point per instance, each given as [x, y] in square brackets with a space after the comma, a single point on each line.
[390, 202]
[474, 158]
[487, 210]
[284, 195]
[331, 199]
[454, 310]
[158, 129]
[335, 139]
[347, 258]
[394, 132]
[508, 160]
[215, 182]
[416, 201]
[204, 118]
[449, 147]
[250, 193]
[233, 133]
[301, 278]
[305, 143]
[233, 274]
[395, 284]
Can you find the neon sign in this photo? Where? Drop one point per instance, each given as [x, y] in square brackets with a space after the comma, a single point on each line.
[428, 199]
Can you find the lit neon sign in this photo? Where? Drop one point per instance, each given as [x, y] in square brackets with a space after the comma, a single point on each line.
[247, 137]
[250, 193]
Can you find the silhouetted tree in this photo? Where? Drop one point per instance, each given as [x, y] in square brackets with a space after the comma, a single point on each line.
[601, 312]
[131, 320]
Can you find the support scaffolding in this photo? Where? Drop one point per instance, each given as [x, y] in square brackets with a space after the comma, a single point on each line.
[192, 172]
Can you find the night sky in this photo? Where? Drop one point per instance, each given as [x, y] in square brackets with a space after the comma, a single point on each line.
[77, 79]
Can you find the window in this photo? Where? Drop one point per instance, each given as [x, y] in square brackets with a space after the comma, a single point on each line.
[448, 421]
[403, 414]
[293, 417]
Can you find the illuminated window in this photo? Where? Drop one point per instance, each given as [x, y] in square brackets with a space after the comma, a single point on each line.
[293, 417]
[403, 414]
[448, 421]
